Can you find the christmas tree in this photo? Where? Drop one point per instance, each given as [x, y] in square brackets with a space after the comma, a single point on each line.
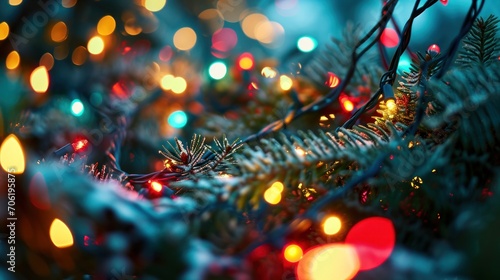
[223, 140]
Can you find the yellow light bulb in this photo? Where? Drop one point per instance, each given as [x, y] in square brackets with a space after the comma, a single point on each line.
[154, 5]
[272, 196]
[60, 234]
[390, 104]
[15, 2]
[4, 30]
[12, 155]
[39, 79]
[332, 225]
[13, 60]
[286, 82]
[106, 25]
[268, 72]
[179, 85]
[59, 32]
[293, 253]
[95, 45]
[278, 185]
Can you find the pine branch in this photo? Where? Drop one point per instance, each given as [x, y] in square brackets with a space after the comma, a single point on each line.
[481, 46]
[471, 100]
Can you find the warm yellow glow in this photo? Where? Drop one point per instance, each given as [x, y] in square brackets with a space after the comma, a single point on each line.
[157, 187]
[293, 253]
[246, 63]
[179, 85]
[185, 39]
[47, 60]
[348, 105]
[60, 234]
[59, 32]
[329, 262]
[12, 155]
[278, 185]
[4, 30]
[95, 45]
[272, 195]
[154, 5]
[166, 82]
[332, 225]
[268, 72]
[286, 82]
[390, 104]
[68, 3]
[106, 25]
[15, 2]
[269, 32]
[79, 55]
[39, 79]
[13, 60]
[132, 28]
[251, 22]
[416, 182]
[300, 152]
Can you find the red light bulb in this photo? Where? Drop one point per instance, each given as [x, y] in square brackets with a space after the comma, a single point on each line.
[434, 48]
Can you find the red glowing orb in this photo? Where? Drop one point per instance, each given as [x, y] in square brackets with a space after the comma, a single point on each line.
[389, 38]
[374, 240]
[444, 2]
[434, 48]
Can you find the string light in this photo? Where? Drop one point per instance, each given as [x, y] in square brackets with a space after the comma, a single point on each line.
[389, 38]
[59, 32]
[157, 187]
[272, 196]
[185, 39]
[60, 234]
[217, 70]
[307, 44]
[106, 25]
[154, 5]
[80, 145]
[269, 72]
[246, 61]
[4, 30]
[329, 262]
[177, 119]
[12, 155]
[166, 82]
[15, 2]
[95, 45]
[79, 55]
[374, 239]
[179, 85]
[47, 60]
[278, 185]
[293, 253]
[13, 60]
[332, 80]
[434, 48]
[77, 108]
[286, 83]
[444, 2]
[347, 105]
[332, 225]
[39, 79]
